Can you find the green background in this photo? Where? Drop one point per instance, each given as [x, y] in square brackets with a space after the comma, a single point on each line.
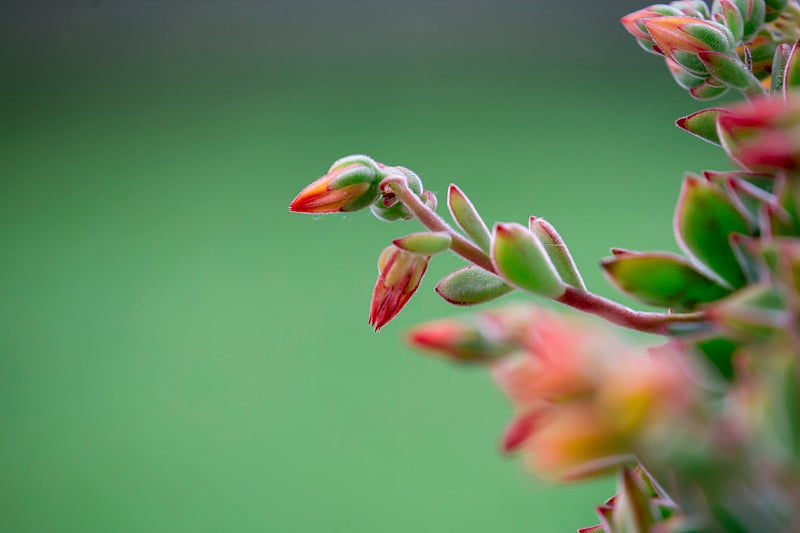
[179, 353]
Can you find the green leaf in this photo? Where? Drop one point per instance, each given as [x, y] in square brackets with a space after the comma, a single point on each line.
[467, 218]
[704, 221]
[557, 249]
[779, 62]
[520, 258]
[730, 71]
[743, 248]
[774, 8]
[702, 124]
[424, 243]
[632, 512]
[728, 14]
[791, 75]
[753, 12]
[706, 91]
[663, 280]
[719, 352]
[471, 286]
[765, 182]
[756, 311]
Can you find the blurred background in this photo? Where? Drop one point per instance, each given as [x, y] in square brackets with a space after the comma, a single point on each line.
[179, 353]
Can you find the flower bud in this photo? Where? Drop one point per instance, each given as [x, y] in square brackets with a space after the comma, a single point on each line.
[400, 273]
[459, 341]
[764, 135]
[388, 209]
[350, 184]
[634, 23]
[682, 38]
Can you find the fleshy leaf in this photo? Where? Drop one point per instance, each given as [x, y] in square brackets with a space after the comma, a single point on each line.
[791, 75]
[753, 12]
[765, 182]
[682, 78]
[726, 13]
[702, 124]
[743, 249]
[632, 508]
[706, 91]
[467, 218]
[704, 220]
[780, 59]
[520, 258]
[471, 285]
[719, 352]
[557, 249]
[782, 257]
[730, 71]
[774, 8]
[424, 243]
[663, 280]
[755, 311]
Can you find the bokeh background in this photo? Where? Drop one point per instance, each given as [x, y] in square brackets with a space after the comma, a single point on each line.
[178, 353]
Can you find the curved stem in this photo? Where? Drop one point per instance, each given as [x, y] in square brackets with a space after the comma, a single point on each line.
[616, 313]
[434, 222]
[621, 315]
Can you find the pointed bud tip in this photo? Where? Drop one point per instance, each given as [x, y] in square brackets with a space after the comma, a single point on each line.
[517, 433]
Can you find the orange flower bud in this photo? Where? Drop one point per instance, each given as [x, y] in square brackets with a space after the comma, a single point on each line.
[400, 273]
[350, 184]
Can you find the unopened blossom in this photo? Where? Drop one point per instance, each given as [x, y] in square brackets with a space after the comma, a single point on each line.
[350, 184]
[399, 275]
[764, 135]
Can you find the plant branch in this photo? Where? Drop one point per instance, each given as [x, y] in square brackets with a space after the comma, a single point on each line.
[621, 315]
[609, 310]
[434, 222]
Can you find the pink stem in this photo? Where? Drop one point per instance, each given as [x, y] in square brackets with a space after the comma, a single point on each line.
[434, 222]
[621, 315]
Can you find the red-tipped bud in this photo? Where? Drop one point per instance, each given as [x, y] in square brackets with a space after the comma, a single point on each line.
[454, 340]
[399, 275]
[682, 38]
[764, 135]
[518, 432]
[634, 22]
[350, 184]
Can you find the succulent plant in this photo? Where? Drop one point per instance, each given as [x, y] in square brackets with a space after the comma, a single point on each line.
[703, 428]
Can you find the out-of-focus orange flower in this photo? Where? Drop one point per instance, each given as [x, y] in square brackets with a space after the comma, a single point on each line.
[584, 399]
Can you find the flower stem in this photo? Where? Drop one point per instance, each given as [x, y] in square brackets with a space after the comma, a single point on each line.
[609, 310]
[621, 315]
[434, 222]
